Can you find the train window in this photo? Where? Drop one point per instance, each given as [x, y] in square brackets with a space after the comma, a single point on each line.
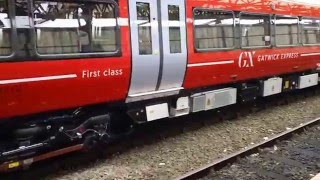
[144, 28]
[23, 29]
[5, 30]
[213, 29]
[255, 30]
[310, 31]
[286, 31]
[174, 28]
[72, 28]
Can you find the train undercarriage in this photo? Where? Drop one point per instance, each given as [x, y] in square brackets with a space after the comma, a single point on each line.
[87, 128]
[59, 134]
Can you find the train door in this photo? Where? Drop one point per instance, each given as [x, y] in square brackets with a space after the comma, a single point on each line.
[158, 40]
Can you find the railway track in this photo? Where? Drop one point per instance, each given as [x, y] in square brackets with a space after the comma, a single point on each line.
[156, 132]
[285, 156]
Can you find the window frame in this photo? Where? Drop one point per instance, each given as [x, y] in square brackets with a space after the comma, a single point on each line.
[213, 49]
[275, 33]
[78, 55]
[240, 30]
[302, 30]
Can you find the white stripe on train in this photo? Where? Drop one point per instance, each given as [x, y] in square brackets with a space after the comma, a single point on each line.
[211, 63]
[310, 54]
[36, 79]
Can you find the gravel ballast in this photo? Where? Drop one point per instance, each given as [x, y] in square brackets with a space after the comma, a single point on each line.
[176, 155]
[296, 158]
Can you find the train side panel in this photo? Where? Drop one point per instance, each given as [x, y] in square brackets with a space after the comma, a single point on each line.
[207, 69]
[47, 85]
[226, 66]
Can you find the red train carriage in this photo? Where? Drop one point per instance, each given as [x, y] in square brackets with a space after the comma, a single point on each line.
[71, 71]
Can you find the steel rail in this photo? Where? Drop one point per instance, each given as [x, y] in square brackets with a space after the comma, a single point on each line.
[223, 162]
[11, 165]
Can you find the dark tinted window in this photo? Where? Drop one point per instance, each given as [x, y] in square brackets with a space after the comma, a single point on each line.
[213, 29]
[174, 28]
[5, 29]
[68, 28]
[144, 28]
[255, 30]
[287, 30]
[310, 31]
